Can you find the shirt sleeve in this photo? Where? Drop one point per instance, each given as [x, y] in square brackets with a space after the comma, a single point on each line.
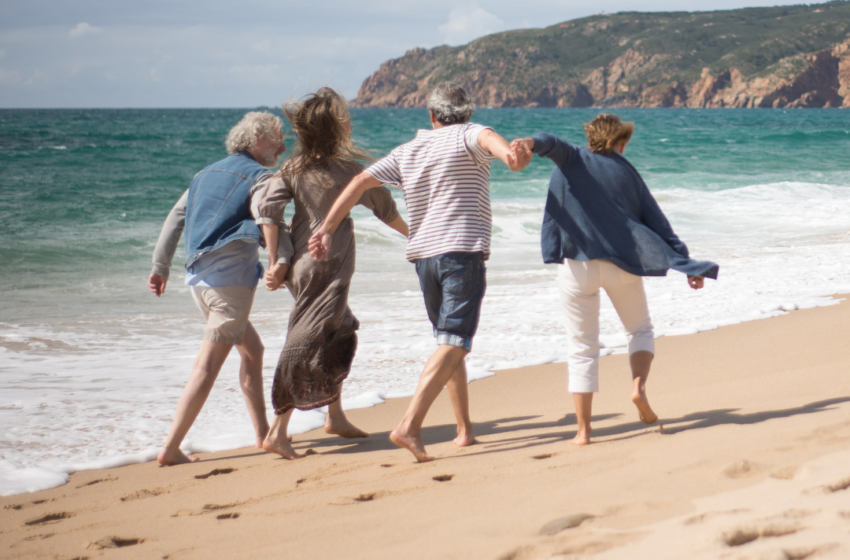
[381, 203]
[654, 219]
[552, 147]
[386, 170]
[268, 204]
[169, 237]
[479, 155]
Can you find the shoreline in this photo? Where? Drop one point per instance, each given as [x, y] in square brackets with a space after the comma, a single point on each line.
[741, 405]
[304, 422]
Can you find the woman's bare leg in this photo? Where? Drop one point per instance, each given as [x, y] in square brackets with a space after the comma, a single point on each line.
[278, 441]
[640, 362]
[337, 424]
[584, 405]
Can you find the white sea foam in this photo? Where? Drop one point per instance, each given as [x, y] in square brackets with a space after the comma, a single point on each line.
[93, 393]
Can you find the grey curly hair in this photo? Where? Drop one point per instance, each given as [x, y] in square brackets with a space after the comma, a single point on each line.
[450, 104]
[253, 125]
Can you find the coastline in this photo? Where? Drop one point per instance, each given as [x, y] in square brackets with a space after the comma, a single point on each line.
[759, 407]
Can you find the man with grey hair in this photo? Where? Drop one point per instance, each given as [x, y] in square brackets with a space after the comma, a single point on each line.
[445, 176]
[222, 269]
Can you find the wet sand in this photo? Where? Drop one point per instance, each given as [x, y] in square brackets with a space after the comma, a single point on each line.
[753, 462]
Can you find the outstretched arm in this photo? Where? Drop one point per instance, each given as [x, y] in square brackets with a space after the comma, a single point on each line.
[320, 241]
[166, 246]
[491, 141]
[547, 145]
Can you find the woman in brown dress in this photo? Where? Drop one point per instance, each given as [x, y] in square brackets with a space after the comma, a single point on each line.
[321, 340]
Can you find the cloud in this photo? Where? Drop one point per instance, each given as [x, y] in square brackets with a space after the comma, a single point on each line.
[469, 22]
[82, 29]
[9, 77]
[2, 53]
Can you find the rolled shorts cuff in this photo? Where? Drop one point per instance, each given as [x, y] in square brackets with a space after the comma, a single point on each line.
[645, 344]
[583, 385]
[450, 339]
[215, 337]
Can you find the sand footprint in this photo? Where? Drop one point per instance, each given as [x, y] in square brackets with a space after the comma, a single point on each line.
[113, 542]
[49, 518]
[214, 472]
[443, 477]
[744, 535]
[141, 494]
[563, 523]
[233, 515]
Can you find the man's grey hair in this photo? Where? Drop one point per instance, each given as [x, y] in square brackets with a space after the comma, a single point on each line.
[254, 125]
[450, 103]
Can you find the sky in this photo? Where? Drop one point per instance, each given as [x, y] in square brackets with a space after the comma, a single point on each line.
[192, 53]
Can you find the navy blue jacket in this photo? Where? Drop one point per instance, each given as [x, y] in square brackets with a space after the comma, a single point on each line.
[598, 207]
[218, 209]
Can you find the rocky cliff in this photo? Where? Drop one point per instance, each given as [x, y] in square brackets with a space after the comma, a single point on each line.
[795, 56]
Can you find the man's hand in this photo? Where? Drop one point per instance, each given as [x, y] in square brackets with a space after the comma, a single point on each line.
[157, 283]
[695, 282]
[320, 245]
[275, 276]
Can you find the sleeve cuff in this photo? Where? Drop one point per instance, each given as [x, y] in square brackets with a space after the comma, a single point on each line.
[160, 270]
[284, 259]
[542, 143]
[264, 221]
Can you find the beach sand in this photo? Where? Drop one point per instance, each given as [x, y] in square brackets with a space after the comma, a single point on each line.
[753, 461]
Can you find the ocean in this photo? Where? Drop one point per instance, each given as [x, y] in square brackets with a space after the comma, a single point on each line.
[92, 364]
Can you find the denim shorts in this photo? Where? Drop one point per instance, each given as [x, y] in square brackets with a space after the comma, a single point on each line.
[453, 285]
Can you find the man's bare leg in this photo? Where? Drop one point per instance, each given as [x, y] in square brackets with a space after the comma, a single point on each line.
[458, 389]
[584, 405]
[640, 362]
[208, 363]
[337, 423]
[251, 379]
[439, 369]
[277, 441]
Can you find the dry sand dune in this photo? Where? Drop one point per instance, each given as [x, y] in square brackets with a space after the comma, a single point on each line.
[753, 462]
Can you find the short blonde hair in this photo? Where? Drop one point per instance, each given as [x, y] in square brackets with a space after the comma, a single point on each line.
[253, 125]
[607, 131]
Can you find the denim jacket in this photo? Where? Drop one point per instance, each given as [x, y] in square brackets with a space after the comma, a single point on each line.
[218, 208]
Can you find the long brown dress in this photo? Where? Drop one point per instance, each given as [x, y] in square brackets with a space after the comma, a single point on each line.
[321, 340]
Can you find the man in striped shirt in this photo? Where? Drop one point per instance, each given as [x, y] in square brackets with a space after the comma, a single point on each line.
[445, 176]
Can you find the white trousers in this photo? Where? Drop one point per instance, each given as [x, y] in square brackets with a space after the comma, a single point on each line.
[579, 283]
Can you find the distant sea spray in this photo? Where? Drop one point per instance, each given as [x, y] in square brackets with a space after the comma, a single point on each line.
[92, 364]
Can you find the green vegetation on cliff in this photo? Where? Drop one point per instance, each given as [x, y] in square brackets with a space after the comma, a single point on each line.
[633, 59]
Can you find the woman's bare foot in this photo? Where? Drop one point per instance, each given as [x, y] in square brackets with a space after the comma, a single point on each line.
[464, 438]
[169, 459]
[343, 428]
[282, 448]
[582, 438]
[647, 416]
[412, 444]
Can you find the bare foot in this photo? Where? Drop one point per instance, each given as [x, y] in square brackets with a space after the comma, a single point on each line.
[179, 458]
[647, 416]
[343, 428]
[464, 438]
[281, 448]
[412, 444]
[582, 438]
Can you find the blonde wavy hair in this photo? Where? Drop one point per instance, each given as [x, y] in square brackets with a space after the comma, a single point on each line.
[253, 125]
[322, 126]
[607, 131]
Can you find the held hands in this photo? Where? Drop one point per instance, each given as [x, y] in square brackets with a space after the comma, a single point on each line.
[320, 245]
[157, 283]
[521, 152]
[695, 282]
[276, 276]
